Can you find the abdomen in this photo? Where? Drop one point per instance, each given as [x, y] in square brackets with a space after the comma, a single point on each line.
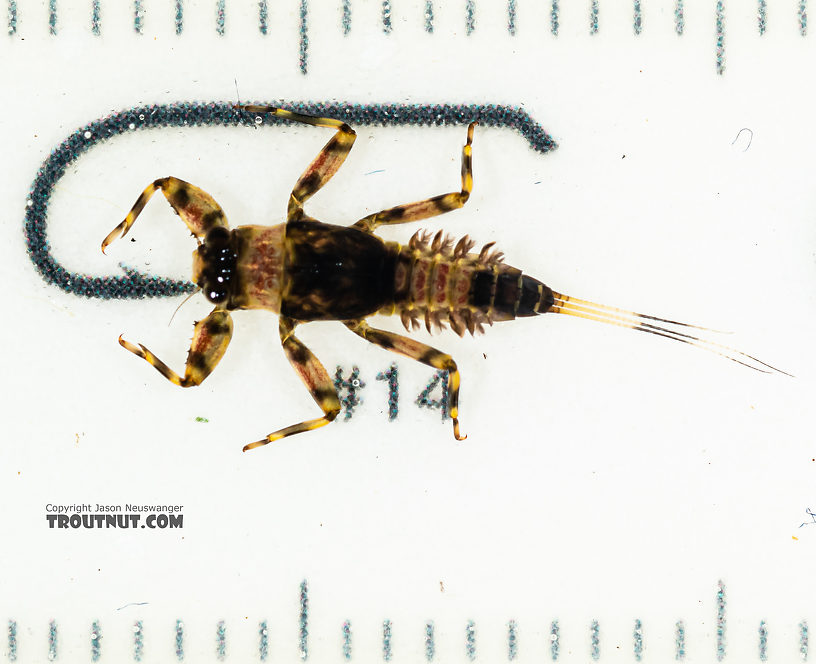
[437, 283]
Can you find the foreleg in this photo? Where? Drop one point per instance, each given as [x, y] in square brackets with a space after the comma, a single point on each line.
[197, 209]
[211, 337]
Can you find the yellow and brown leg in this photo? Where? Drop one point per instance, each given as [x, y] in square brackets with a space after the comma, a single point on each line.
[314, 376]
[419, 352]
[324, 166]
[211, 337]
[197, 209]
[430, 207]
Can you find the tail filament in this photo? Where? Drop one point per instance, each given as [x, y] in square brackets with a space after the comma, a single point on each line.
[662, 327]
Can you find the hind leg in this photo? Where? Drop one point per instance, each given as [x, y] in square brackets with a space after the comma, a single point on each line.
[430, 207]
[419, 352]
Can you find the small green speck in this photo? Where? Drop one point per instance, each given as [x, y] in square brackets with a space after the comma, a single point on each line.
[202, 419]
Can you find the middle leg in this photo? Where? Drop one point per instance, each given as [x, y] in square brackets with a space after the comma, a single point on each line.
[324, 166]
[316, 378]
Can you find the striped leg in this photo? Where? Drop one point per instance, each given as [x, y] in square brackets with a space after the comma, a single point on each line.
[430, 207]
[419, 352]
[316, 378]
[197, 209]
[324, 166]
[211, 337]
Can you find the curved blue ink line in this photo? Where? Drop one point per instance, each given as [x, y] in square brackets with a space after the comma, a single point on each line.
[136, 284]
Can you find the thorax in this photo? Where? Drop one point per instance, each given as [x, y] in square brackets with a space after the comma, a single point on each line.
[260, 267]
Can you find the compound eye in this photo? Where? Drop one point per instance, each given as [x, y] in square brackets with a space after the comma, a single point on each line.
[217, 237]
[215, 296]
[218, 260]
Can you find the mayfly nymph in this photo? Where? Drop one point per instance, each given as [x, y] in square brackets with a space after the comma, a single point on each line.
[306, 270]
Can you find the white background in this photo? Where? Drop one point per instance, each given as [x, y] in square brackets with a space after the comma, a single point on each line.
[607, 474]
